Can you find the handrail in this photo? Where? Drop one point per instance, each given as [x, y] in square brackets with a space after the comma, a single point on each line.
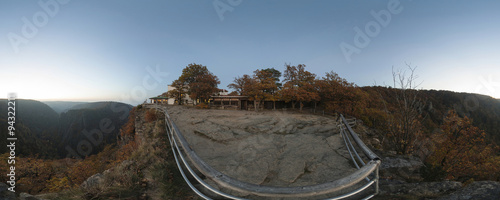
[183, 174]
[271, 191]
[372, 156]
[174, 143]
[364, 148]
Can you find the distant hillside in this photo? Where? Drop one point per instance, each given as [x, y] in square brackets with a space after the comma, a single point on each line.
[40, 130]
[62, 106]
[96, 105]
[100, 120]
[483, 110]
[36, 125]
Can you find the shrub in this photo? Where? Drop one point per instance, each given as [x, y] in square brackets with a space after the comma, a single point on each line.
[151, 115]
[464, 153]
[202, 106]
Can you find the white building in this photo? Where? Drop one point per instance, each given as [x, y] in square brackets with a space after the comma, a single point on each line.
[185, 99]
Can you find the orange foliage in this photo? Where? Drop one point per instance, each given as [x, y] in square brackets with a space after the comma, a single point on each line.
[340, 95]
[94, 164]
[127, 131]
[242, 84]
[464, 153]
[262, 87]
[151, 115]
[300, 85]
[58, 183]
[403, 132]
[37, 175]
[202, 106]
[33, 173]
[205, 85]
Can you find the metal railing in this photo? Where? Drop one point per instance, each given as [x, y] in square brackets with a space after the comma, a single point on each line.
[345, 125]
[178, 142]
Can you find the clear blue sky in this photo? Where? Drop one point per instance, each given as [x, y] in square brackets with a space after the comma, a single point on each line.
[101, 50]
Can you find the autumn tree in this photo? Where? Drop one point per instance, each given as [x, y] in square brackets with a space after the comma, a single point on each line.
[265, 87]
[191, 72]
[151, 115]
[204, 87]
[275, 74]
[463, 152]
[32, 174]
[299, 85]
[240, 84]
[198, 82]
[179, 91]
[250, 86]
[404, 127]
[337, 94]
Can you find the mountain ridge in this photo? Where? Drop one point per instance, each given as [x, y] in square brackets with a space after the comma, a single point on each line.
[62, 106]
[42, 131]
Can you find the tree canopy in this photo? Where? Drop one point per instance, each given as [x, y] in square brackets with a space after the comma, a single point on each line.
[241, 84]
[463, 152]
[339, 94]
[300, 85]
[197, 82]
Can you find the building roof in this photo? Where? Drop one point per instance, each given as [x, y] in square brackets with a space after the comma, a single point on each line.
[227, 96]
[159, 98]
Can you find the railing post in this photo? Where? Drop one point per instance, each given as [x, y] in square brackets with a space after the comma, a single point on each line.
[377, 178]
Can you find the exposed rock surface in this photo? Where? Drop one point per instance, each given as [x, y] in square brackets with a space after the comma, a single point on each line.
[396, 170]
[26, 196]
[284, 149]
[401, 167]
[422, 189]
[5, 194]
[266, 148]
[480, 190]
[93, 182]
